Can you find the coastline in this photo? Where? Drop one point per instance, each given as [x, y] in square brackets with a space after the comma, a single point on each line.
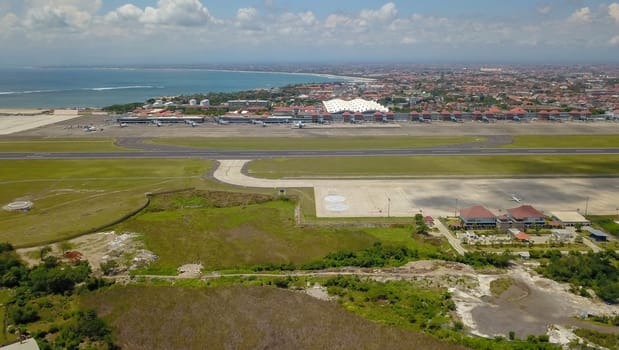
[322, 75]
[97, 87]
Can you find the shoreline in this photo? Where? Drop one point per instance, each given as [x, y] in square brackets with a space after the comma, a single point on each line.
[332, 78]
[323, 75]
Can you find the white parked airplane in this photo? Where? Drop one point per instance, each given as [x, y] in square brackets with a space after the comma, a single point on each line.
[516, 199]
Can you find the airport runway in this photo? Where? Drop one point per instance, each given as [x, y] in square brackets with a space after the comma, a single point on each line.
[227, 154]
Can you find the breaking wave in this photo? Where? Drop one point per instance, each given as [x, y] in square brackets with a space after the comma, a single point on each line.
[26, 92]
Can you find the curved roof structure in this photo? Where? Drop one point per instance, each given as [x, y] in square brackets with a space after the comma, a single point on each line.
[356, 105]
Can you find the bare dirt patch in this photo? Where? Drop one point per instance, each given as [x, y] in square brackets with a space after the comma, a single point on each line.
[126, 250]
[531, 305]
[190, 271]
[319, 292]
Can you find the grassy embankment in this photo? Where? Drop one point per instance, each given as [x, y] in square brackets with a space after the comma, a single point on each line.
[241, 235]
[564, 141]
[72, 197]
[607, 340]
[59, 145]
[317, 143]
[5, 296]
[436, 166]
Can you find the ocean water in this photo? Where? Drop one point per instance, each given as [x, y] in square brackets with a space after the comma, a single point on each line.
[98, 87]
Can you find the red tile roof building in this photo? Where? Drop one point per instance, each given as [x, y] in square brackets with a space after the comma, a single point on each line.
[527, 215]
[477, 216]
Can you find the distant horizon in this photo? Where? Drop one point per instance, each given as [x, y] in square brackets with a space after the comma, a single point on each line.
[219, 66]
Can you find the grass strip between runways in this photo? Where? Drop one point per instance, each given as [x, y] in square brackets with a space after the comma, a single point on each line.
[564, 165]
[317, 143]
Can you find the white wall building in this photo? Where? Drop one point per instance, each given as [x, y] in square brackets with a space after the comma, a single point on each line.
[357, 105]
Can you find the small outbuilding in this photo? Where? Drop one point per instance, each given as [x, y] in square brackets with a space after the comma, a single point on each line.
[429, 221]
[562, 235]
[518, 235]
[597, 235]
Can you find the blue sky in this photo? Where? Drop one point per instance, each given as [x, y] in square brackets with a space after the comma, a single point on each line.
[262, 31]
[455, 8]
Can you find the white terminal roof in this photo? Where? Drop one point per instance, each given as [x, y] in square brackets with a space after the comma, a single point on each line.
[357, 105]
[569, 216]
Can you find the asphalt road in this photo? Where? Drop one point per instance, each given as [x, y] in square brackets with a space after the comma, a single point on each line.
[228, 154]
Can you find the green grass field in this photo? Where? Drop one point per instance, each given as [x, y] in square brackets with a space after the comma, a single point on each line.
[242, 236]
[565, 141]
[435, 166]
[606, 222]
[317, 143]
[59, 145]
[241, 317]
[73, 197]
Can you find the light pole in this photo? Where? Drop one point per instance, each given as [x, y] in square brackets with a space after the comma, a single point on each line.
[388, 207]
[586, 206]
[456, 208]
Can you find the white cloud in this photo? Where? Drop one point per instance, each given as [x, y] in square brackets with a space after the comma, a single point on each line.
[125, 13]
[177, 13]
[582, 15]
[386, 13]
[334, 21]
[613, 11]
[407, 40]
[246, 14]
[544, 9]
[7, 23]
[90, 6]
[65, 17]
[614, 41]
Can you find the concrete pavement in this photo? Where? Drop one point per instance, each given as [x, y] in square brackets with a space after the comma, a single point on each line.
[437, 196]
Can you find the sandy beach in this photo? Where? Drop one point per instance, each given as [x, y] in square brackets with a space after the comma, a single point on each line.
[23, 120]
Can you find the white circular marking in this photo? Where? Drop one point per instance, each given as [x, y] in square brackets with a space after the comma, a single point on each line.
[336, 207]
[334, 198]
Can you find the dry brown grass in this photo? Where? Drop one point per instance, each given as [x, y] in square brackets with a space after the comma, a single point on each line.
[148, 317]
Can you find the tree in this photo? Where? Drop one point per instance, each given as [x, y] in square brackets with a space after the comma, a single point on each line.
[23, 315]
[420, 225]
[44, 251]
